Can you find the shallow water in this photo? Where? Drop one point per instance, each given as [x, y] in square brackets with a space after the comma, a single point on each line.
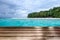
[29, 22]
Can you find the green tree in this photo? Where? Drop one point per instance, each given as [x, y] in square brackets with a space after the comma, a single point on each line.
[54, 13]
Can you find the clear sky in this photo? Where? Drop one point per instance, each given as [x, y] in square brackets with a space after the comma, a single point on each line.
[21, 8]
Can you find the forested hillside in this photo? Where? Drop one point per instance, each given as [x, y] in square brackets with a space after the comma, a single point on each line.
[52, 13]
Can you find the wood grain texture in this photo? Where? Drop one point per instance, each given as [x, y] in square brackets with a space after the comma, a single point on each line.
[29, 33]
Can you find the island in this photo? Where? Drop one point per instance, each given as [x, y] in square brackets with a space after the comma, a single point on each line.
[51, 13]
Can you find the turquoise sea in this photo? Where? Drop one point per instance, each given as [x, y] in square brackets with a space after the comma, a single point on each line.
[29, 22]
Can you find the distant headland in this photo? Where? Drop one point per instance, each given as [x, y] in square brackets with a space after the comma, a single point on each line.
[51, 13]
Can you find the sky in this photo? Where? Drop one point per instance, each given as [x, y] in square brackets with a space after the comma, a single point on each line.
[21, 8]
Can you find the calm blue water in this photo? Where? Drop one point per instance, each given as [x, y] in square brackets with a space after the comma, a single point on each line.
[29, 22]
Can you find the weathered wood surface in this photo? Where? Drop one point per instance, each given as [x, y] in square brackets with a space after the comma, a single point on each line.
[29, 33]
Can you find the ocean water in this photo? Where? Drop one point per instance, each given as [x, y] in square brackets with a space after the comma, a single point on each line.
[29, 22]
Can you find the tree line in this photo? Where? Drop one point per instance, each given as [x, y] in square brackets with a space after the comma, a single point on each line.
[53, 13]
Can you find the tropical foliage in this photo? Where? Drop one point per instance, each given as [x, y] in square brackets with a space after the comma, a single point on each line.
[53, 13]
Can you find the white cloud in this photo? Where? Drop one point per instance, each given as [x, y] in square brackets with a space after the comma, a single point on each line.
[5, 11]
[21, 13]
[23, 7]
[15, 2]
